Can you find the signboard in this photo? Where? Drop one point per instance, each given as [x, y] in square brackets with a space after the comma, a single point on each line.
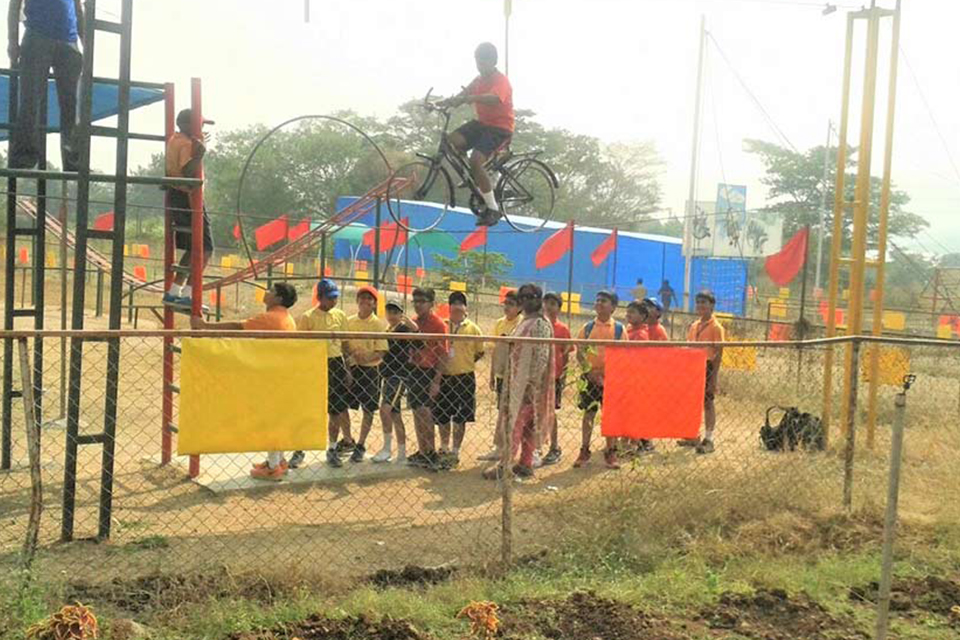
[725, 228]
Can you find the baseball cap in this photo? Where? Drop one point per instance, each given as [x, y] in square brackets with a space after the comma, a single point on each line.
[707, 295]
[609, 295]
[186, 116]
[368, 289]
[457, 297]
[653, 302]
[395, 303]
[327, 288]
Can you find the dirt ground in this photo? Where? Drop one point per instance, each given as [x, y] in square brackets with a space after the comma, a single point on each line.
[163, 522]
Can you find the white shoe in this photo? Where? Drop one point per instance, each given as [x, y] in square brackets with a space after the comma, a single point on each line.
[491, 455]
[382, 456]
[537, 461]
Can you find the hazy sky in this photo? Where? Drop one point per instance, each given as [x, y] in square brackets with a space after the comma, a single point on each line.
[616, 69]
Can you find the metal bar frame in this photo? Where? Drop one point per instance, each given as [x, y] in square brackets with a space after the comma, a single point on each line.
[196, 238]
[166, 437]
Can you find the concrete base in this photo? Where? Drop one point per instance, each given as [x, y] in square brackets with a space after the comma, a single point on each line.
[222, 472]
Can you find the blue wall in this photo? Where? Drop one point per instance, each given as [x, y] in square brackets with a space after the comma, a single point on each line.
[653, 258]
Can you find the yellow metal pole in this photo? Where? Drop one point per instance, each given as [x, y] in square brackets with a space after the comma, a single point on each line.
[836, 241]
[882, 228]
[861, 212]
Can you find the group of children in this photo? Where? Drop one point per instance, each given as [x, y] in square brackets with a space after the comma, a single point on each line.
[438, 376]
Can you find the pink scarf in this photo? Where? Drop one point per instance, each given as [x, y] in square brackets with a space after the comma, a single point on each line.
[529, 378]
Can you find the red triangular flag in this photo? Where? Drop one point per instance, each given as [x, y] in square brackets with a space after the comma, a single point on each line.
[236, 231]
[271, 233]
[104, 222]
[391, 235]
[605, 249]
[783, 267]
[300, 230]
[476, 239]
[555, 247]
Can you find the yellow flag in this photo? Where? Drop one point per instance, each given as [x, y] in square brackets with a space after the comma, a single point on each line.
[239, 395]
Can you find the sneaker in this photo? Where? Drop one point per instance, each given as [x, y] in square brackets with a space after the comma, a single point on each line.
[537, 460]
[705, 446]
[645, 447]
[432, 462]
[261, 465]
[521, 472]
[297, 459]
[449, 460]
[493, 473]
[689, 442]
[490, 456]
[382, 456]
[417, 459]
[266, 473]
[358, 452]
[344, 447]
[553, 457]
[610, 458]
[401, 455]
[333, 459]
[174, 301]
[488, 218]
[583, 459]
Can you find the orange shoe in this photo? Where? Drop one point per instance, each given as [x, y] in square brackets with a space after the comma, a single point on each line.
[261, 465]
[266, 473]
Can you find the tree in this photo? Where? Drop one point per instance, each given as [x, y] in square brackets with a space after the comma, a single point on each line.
[796, 188]
[475, 268]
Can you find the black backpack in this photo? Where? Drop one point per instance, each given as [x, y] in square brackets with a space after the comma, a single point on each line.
[795, 429]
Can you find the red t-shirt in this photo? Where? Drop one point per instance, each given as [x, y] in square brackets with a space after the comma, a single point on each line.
[656, 333]
[561, 351]
[430, 352]
[637, 333]
[498, 115]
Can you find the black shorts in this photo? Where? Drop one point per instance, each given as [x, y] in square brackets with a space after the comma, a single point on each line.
[483, 138]
[338, 395]
[498, 384]
[418, 387]
[365, 392]
[182, 216]
[559, 384]
[392, 389]
[591, 396]
[457, 401]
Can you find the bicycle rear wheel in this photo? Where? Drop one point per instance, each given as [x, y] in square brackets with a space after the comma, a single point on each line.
[418, 195]
[526, 192]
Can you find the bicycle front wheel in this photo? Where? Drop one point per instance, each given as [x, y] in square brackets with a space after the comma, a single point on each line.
[419, 194]
[527, 194]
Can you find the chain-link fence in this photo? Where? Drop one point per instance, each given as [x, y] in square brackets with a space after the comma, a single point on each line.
[363, 515]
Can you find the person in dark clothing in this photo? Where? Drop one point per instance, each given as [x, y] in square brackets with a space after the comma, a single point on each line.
[393, 379]
[52, 39]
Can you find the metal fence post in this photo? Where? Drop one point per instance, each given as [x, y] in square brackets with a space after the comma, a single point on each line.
[33, 453]
[99, 292]
[890, 519]
[850, 448]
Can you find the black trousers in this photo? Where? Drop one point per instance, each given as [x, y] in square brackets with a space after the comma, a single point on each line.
[37, 55]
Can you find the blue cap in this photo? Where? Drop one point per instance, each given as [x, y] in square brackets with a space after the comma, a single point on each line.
[609, 295]
[653, 302]
[327, 288]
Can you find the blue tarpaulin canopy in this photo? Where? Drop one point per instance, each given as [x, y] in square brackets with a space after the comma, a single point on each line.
[105, 98]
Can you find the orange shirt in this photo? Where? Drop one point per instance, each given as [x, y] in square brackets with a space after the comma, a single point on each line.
[275, 318]
[601, 331]
[656, 333]
[562, 351]
[637, 333]
[498, 115]
[707, 331]
[179, 153]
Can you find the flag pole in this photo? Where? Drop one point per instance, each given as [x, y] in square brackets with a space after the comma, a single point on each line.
[573, 233]
[483, 277]
[802, 322]
[616, 247]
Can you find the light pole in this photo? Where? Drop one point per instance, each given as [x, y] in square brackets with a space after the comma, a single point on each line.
[823, 204]
[507, 10]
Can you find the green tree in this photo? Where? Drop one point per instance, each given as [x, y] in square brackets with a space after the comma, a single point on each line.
[795, 181]
[474, 268]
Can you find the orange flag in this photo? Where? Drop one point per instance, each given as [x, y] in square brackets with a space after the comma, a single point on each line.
[656, 406]
[555, 247]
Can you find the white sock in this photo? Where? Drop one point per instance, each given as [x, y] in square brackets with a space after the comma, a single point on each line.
[274, 458]
[708, 435]
[456, 451]
[387, 441]
[401, 451]
[175, 289]
[490, 201]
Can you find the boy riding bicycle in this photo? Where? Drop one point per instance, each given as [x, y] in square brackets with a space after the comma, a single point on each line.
[492, 97]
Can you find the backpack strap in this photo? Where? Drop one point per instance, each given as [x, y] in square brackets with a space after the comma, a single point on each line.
[617, 329]
[587, 330]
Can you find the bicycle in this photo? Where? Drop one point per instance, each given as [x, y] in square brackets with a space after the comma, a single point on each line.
[525, 186]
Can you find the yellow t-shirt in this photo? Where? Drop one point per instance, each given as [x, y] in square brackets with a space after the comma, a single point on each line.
[370, 324]
[316, 319]
[463, 353]
[502, 327]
